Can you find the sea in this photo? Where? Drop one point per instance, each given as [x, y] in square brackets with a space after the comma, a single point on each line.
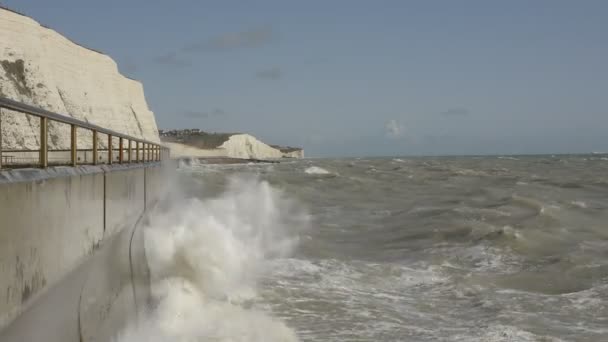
[491, 248]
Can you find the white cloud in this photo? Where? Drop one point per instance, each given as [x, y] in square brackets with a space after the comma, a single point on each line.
[394, 129]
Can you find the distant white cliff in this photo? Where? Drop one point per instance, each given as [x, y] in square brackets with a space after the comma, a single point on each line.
[242, 146]
[40, 67]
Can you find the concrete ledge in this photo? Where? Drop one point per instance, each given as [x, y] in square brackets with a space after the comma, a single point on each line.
[124, 198]
[53, 220]
[33, 174]
[92, 302]
[47, 227]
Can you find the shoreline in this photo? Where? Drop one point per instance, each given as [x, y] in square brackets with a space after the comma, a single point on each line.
[228, 160]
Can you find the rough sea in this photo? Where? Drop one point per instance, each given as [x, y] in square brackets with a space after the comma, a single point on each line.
[382, 249]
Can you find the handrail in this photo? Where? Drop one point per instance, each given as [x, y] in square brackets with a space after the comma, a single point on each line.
[151, 151]
[39, 112]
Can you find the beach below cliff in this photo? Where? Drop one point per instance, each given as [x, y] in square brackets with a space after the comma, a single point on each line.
[224, 161]
[197, 143]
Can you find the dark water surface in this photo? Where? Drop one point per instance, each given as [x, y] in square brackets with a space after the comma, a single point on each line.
[442, 249]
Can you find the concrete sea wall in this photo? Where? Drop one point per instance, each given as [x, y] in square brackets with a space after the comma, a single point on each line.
[69, 235]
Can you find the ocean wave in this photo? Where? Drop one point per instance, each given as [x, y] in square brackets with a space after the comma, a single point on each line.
[205, 259]
[449, 255]
[501, 333]
[529, 202]
[470, 172]
[355, 275]
[315, 170]
[483, 211]
[579, 204]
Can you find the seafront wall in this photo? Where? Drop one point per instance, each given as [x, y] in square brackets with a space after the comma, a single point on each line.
[51, 222]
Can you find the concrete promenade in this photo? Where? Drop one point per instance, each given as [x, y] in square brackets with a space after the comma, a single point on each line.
[72, 261]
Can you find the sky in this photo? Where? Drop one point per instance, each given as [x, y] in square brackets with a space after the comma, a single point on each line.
[362, 78]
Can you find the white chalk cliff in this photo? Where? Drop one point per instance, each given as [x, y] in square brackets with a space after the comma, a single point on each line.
[247, 146]
[242, 146]
[40, 67]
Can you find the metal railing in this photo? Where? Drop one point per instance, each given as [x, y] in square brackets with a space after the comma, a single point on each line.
[129, 150]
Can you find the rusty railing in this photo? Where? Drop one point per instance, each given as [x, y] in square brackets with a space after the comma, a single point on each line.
[129, 150]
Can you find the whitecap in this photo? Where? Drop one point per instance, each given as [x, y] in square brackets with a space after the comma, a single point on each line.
[579, 204]
[315, 170]
[205, 260]
[499, 333]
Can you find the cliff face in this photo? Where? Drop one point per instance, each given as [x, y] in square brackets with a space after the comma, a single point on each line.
[247, 146]
[243, 146]
[294, 154]
[40, 67]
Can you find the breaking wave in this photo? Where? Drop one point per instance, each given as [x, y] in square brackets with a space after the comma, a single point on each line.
[429, 249]
[315, 170]
[205, 259]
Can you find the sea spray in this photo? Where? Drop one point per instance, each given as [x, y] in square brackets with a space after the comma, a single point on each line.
[315, 170]
[205, 258]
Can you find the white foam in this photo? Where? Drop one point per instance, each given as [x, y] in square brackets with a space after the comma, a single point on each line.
[501, 333]
[205, 258]
[315, 170]
[469, 172]
[579, 204]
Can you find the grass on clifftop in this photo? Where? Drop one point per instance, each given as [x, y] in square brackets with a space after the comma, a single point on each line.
[207, 141]
[286, 149]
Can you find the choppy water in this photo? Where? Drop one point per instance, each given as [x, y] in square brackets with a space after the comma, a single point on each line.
[420, 249]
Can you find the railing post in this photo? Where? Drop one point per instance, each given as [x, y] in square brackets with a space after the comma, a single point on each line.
[130, 151]
[95, 147]
[0, 138]
[73, 146]
[109, 149]
[44, 156]
[120, 156]
[144, 151]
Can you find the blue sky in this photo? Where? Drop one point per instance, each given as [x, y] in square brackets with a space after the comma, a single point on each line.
[345, 78]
